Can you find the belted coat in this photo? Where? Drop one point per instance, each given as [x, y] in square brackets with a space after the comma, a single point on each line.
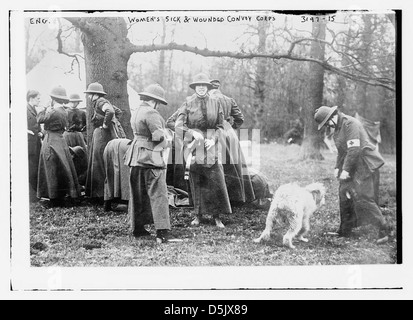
[103, 113]
[57, 176]
[207, 179]
[147, 157]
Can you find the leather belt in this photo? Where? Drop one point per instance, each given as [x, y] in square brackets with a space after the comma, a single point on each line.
[142, 138]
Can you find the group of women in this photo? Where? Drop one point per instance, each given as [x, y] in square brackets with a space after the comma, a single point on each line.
[209, 146]
[201, 131]
[62, 140]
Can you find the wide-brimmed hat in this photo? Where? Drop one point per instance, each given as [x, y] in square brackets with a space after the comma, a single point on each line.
[59, 93]
[215, 83]
[95, 87]
[201, 78]
[156, 92]
[323, 114]
[74, 97]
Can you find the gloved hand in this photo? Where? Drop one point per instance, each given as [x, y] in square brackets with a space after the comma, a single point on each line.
[197, 135]
[209, 143]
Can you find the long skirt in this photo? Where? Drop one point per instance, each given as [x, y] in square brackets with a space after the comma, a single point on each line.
[148, 201]
[209, 191]
[79, 156]
[237, 177]
[74, 138]
[57, 175]
[176, 167]
[95, 179]
[117, 173]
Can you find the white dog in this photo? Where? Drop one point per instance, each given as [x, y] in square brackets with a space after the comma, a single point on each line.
[298, 204]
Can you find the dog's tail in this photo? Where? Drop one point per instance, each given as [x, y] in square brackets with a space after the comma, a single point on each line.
[273, 211]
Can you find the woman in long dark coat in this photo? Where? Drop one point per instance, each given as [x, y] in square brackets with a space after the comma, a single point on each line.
[237, 177]
[200, 124]
[57, 177]
[105, 129]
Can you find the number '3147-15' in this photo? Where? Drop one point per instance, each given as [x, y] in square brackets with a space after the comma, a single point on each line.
[318, 18]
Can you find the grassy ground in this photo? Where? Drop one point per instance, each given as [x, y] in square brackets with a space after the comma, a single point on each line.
[87, 236]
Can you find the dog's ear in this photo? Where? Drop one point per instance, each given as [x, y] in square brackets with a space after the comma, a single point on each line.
[317, 190]
[317, 196]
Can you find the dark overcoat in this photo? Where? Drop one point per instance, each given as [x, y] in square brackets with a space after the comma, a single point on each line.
[237, 177]
[359, 194]
[34, 145]
[103, 112]
[207, 179]
[57, 176]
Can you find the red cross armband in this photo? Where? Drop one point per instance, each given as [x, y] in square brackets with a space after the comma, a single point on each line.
[353, 143]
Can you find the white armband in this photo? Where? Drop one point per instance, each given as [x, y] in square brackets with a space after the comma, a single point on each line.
[353, 143]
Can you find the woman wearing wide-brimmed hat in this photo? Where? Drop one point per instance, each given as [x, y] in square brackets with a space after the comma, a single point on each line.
[76, 123]
[57, 176]
[200, 124]
[147, 157]
[105, 129]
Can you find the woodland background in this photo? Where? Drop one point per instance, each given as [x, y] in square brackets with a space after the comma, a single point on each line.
[279, 69]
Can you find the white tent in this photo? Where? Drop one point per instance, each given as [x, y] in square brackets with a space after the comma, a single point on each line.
[59, 69]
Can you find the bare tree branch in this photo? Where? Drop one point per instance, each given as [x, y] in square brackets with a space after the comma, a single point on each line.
[350, 71]
[61, 51]
[385, 83]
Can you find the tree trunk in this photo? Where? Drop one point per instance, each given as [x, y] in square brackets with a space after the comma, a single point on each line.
[259, 86]
[342, 89]
[161, 75]
[313, 139]
[104, 41]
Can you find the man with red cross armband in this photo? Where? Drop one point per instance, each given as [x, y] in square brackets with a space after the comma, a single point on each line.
[357, 168]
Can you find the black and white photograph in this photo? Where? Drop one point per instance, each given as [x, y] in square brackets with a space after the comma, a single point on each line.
[252, 150]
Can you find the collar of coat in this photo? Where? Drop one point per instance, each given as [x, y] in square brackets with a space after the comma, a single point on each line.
[340, 120]
[195, 97]
[31, 109]
[145, 104]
